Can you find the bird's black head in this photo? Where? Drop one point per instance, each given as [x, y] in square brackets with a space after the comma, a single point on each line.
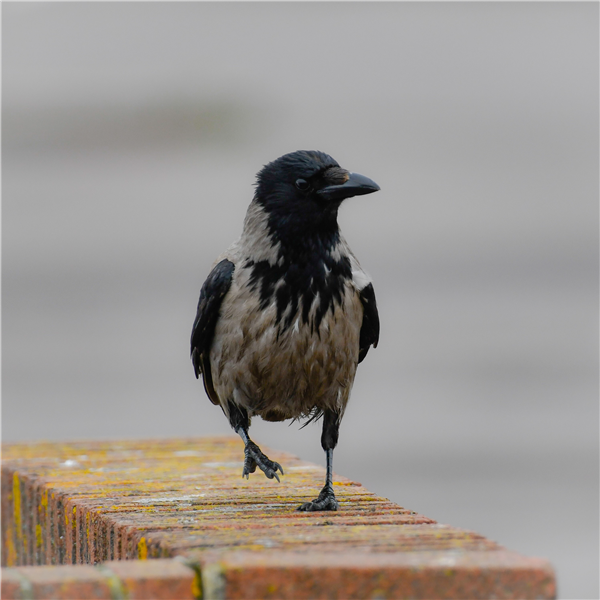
[303, 190]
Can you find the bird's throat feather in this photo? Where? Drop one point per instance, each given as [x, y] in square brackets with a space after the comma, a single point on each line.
[308, 270]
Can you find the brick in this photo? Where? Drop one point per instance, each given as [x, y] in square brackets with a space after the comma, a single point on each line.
[160, 578]
[419, 575]
[135, 580]
[9, 537]
[44, 521]
[70, 511]
[66, 582]
[154, 499]
[38, 522]
[17, 513]
[27, 517]
[52, 530]
[83, 527]
[11, 585]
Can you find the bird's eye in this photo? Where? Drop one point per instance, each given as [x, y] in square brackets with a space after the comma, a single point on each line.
[302, 184]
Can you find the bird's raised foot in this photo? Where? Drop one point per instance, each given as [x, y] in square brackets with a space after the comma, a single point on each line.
[325, 501]
[254, 457]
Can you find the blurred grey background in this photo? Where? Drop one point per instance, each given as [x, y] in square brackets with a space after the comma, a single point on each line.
[131, 135]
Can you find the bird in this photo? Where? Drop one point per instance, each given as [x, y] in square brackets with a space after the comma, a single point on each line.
[286, 313]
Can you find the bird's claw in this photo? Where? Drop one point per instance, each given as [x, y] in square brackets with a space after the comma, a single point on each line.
[325, 501]
[254, 457]
[249, 467]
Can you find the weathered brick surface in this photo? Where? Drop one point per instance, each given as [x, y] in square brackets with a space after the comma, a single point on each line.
[131, 580]
[92, 502]
[11, 584]
[142, 579]
[66, 582]
[419, 575]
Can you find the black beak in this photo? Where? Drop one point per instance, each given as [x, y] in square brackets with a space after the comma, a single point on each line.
[357, 185]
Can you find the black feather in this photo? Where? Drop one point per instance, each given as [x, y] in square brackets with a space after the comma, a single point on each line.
[304, 228]
[369, 331]
[213, 291]
[294, 214]
[299, 282]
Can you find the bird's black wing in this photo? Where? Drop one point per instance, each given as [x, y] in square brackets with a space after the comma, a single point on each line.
[213, 291]
[369, 331]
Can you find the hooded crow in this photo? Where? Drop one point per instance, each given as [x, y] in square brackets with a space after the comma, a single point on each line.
[287, 313]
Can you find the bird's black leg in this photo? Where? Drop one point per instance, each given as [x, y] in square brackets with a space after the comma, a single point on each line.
[326, 499]
[238, 417]
[254, 457]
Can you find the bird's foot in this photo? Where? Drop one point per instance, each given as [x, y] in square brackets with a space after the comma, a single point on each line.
[254, 457]
[325, 501]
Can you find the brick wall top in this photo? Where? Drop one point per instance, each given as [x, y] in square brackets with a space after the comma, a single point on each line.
[91, 502]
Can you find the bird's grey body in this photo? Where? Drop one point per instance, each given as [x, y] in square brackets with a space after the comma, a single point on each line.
[287, 313]
[279, 372]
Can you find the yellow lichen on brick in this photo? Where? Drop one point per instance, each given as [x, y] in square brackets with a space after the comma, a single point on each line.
[197, 586]
[17, 506]
[142, 549]
[187, 495]
[11, 552]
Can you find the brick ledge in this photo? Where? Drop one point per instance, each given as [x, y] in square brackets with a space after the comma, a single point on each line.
[98, 503]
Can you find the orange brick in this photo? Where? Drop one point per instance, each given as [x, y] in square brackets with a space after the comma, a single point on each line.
[11, 585]
[134, 580]
[152, 499]
[348, 575]
[66, 582]
[155, 579]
